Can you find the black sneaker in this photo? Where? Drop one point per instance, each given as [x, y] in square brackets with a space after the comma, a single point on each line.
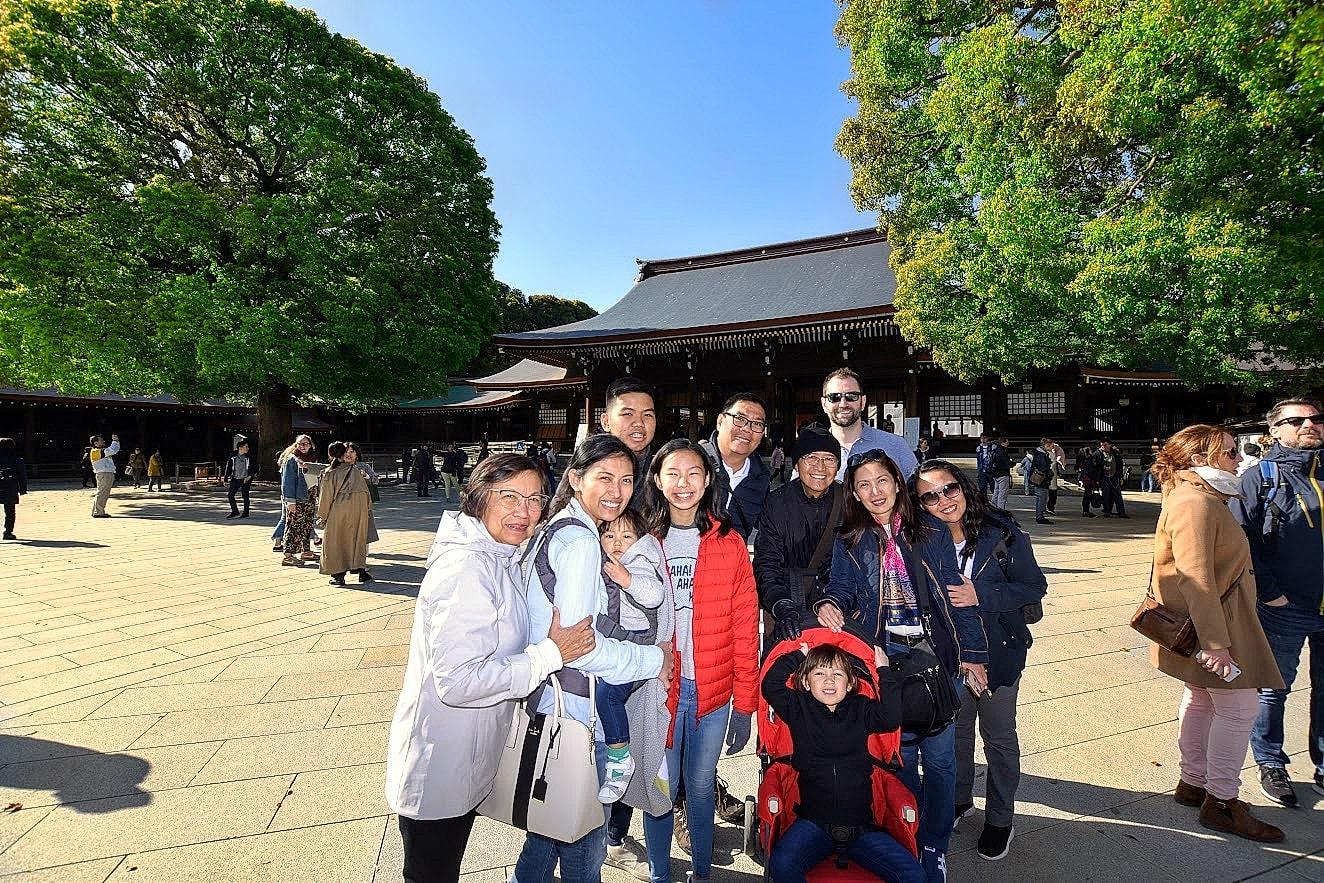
[995, 842]
[336, 581]
[233, 515]
[365, 577]
[963, 810]
[1275, 785]
[10, 536]
[1042, 521]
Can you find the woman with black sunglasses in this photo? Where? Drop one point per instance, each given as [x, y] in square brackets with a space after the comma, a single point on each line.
[891, 570]
[1002, 577]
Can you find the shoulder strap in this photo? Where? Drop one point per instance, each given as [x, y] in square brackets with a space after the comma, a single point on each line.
[829, 530]
[572, 680]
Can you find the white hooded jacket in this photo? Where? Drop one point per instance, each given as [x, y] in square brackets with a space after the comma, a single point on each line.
[469, 661]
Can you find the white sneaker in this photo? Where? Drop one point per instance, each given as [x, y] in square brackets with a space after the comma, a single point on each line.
[616, 779]
[630, 858]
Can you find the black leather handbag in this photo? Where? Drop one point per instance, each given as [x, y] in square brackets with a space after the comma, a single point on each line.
[929, 701]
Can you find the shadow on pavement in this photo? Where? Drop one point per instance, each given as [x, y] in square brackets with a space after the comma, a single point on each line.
[80, 778]
[59, 544]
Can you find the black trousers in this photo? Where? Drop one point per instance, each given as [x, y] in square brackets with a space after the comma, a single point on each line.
[434, 848]
[421, 482]
[239, 486]
[618, 823]
[1112, 496]
[11, 510]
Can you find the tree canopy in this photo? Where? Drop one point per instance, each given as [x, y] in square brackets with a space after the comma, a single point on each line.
[525, 313]
[1132, 184]
[226, 199]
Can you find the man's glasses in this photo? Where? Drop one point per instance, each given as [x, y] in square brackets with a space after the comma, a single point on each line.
[836, 397]
[1317, 419]
[823, 461]
[741, 421]
[931, 498]
[511, 500]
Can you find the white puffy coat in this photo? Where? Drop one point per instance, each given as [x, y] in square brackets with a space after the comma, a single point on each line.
[469, 661]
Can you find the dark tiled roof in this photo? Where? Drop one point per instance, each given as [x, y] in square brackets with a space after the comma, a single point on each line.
[845, 273]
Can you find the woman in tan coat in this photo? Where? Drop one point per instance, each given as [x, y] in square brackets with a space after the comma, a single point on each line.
[1202, 567]
[344, 512]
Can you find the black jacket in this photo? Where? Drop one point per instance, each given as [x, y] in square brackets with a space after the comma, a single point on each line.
[831, 751]
[789, 530]
[1281, 508]
[423, 467]
[1006, 578]
[745, 505]
[999, 462]
[13, 478]
[1101, 464]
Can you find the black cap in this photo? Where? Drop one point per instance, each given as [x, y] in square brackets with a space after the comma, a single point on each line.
[813, 440]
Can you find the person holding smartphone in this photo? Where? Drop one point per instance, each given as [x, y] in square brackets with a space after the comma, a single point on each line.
[1000, 577]
[1202, 568]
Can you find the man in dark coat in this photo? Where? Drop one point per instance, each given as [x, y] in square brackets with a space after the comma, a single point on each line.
[740, 478]
[795, 519]
[424, 470]
[13, 482]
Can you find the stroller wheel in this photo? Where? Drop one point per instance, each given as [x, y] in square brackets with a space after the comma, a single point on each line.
[751, 840]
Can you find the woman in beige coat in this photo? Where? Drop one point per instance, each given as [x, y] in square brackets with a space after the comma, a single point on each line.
[344, 512]
[1202, 567]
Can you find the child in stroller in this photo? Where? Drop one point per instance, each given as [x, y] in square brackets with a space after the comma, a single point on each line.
[828, 727]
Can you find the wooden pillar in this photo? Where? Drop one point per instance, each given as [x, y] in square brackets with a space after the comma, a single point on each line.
[30, 433]
[1152, 428]
[692, 365]
[769, 389]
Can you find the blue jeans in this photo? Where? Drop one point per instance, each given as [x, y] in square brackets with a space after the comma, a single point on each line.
[805, 844]
[693, 754]
[1040, 503]
[1149, 482]
[1288, 628]
[610, 701]
[581, 861]
[279, 533]
[936, 790]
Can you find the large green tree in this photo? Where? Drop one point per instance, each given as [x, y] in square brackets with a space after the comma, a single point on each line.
[1130, 183]
[226, 199]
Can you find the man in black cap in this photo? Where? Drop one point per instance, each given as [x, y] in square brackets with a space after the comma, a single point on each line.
[793, 545]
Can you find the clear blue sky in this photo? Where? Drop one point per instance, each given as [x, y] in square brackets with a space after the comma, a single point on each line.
[622, 130]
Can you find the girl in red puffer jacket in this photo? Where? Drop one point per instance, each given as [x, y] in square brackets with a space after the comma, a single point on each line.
[713, 700]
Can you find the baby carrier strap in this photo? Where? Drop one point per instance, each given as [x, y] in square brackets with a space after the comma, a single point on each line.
[609, 624]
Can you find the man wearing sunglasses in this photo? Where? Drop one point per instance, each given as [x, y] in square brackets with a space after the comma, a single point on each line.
[1280, 509]
[843, 403]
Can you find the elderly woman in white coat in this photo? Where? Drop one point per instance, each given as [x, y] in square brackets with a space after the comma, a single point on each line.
[470, 660]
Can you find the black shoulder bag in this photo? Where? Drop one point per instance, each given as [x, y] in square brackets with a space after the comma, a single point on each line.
[929, 701]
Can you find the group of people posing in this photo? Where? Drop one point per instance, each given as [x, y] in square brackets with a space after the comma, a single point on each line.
[634, 577]
[335, 495]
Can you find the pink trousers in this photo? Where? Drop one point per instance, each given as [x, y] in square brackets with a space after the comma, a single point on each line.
[1213, 733]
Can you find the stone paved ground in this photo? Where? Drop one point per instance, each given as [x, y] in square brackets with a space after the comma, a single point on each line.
[174, 706]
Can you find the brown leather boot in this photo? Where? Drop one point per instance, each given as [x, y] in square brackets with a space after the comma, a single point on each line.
[1188, 794]
[1233, 817]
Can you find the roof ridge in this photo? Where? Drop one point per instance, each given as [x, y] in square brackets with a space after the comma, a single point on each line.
[648, 268]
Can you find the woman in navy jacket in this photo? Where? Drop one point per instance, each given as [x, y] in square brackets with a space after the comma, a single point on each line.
[1002, 577]
[888, 553]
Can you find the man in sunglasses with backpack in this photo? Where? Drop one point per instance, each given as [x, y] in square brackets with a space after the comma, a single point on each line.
[1280, 508]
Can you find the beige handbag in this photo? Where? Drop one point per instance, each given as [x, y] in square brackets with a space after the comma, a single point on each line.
[547, 779]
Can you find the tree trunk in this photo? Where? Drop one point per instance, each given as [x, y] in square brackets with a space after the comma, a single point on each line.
[275, 427]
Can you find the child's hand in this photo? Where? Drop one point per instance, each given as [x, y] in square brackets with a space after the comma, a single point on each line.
[617, 572]
[879, 658]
